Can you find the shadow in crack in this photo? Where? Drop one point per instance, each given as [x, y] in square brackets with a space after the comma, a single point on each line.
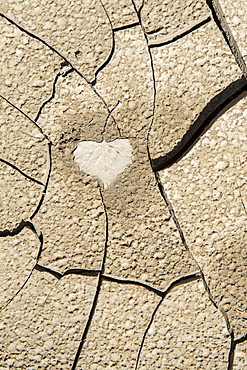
[217, 106]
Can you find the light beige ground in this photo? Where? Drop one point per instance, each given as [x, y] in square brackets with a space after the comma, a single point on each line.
[150, 271]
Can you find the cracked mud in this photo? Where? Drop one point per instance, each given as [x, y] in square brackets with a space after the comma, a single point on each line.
[148, 271]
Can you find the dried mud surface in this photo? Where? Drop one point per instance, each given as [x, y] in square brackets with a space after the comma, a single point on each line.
[148, 272]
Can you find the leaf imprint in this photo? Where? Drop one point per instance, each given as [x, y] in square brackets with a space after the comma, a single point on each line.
[105, 160]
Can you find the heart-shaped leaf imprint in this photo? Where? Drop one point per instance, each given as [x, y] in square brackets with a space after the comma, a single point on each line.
[104, 160]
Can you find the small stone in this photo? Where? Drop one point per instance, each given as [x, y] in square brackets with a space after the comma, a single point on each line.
[159, 255]
[239, 354]
[132, 105]
[160, 344]
[232, 266]
[206, 353]
[38, 83]
[221, 166]
[115, 357]
[125, 265]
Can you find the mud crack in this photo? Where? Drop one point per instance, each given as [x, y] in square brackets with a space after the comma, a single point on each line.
[206, 286]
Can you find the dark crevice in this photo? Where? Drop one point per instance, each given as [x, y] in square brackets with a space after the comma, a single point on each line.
[231, 352]
[50, 98]
[183, 240]
[220, 20]
[242, 202]
[24, 114]
[21, 172]
[107, 60]
[204, 121]
[125, 26]
[41, 239]
[105, 104]
[18, 291]
[166, 40]
[66, 61]
[19, 228]
[133, 282]
[241, 339]
[149, 287]
[94, 273]
[172, 213]
[98, 288]
[138, 13]
[66, 73]
[156, 30]
[41, 268]
[15, 231]
[64, 64]
[84, 272]
[217, 106]
[105, 63]
[53, 94]
[88, 323]
[234, 343]
[115, 123]
[180, 281]
[174, 217]
[31, 226]
[48, 171]
[48, 174]
[40, 40]
[59, 275]
[145, 333]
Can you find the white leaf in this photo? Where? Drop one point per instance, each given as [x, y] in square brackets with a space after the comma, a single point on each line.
[104, 160]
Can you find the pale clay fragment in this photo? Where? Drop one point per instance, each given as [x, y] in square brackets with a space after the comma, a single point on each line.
[105, 160]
